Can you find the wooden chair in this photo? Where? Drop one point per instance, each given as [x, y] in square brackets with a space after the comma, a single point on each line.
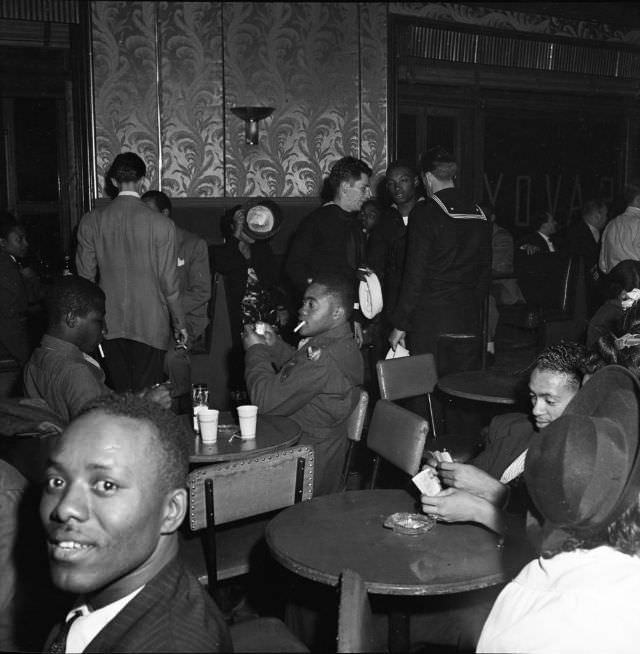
[355, 424]
[355, 620]
[416, 375]
[234, 492]
[398, 436]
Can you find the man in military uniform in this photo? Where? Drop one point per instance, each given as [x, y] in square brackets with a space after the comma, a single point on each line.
[314, 385]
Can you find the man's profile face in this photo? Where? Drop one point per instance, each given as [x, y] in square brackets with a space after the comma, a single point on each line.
[355, 192]
[550, 391]
[90, 330]
[102, 506]
[16, 242]
[401, 185]
[317, 310]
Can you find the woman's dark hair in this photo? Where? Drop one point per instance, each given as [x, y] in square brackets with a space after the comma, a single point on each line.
[226, 222]
[624, 276]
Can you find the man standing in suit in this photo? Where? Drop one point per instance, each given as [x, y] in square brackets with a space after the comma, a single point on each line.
[583, 240]
[130, 251]
[540, 240]
[195, 291]
[114, 497]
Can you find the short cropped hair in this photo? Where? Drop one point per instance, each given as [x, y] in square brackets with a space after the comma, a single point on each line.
[539, 218]
[75, 295]
[399, 163]
[347, 169]
[127, 167]
[439, 162]
[592, 205]
[340, 287]
[624, 276]
[631, 191]
[160, 199]
[565, 357]
[169, 433]
[8, 224]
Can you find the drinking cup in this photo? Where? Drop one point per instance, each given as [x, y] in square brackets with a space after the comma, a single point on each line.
[208, 421]
[247, 417]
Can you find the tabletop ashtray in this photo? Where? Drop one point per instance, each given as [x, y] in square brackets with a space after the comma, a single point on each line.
[412, 524]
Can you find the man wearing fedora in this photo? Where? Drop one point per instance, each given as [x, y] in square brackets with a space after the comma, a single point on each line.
[583, 473]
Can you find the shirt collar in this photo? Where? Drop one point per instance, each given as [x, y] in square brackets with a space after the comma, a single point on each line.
[59, 345]
[133, 194]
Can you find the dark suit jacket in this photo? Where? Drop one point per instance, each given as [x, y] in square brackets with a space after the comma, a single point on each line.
[581, 243]
[172, 613]
[13, 311]
[536, 239]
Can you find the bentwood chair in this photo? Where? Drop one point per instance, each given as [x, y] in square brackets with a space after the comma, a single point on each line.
[398, 436]
[413, 376]
[236, 495]
[355, 621]
[355, 425]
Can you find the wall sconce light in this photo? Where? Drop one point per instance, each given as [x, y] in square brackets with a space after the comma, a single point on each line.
[251, 116]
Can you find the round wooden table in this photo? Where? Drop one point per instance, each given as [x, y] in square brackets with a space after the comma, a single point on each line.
[483, 386]
[320, 538]
[272, 433]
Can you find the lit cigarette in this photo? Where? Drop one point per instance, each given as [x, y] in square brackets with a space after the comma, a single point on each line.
[299, 327]
[100, 350]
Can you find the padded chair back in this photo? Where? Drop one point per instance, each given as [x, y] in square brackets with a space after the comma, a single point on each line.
[398, 436]
[355, 621]
[249, 487]
[355, 425]
[406, 376]
[226, 492]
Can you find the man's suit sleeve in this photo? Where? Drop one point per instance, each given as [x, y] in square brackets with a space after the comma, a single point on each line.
[285, 392]
[198, 290]
[419, 238]
[166, 254]
[86, 260]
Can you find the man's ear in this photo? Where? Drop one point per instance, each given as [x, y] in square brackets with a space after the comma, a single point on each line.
[165, 212]
[114, 181]
[338, 312]
[71, 319]
[175, 509]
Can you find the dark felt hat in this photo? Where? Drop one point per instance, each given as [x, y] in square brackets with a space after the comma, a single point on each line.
[583, 471]
[263, 218]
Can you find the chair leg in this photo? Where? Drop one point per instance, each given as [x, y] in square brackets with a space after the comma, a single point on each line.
[374, 472]
[209, 538]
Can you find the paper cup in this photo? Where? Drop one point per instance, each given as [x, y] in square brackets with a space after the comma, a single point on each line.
[208, 421]
[247, 417]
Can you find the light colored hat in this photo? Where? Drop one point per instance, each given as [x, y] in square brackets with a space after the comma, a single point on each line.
[370, 295]
[262, 220]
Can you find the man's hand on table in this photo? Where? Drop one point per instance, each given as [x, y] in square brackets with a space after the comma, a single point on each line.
[466, 477]
[453, 505]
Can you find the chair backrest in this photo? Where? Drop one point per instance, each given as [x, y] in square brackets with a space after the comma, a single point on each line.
[355, 621]
[406, 376]
[249, 487]
[398, 436]
[355, 422]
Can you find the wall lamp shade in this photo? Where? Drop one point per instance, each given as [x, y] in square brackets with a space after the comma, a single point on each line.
[251, 116]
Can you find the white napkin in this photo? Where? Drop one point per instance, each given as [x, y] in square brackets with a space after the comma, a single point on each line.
[400, 352]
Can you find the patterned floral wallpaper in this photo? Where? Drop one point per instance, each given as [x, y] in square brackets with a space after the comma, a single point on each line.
[167, 73]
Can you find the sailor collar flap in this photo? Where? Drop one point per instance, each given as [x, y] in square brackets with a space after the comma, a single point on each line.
[459, 216]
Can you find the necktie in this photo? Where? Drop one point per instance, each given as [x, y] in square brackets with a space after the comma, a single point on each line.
[59, 643]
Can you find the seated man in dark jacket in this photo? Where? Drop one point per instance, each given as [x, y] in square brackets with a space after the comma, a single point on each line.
[114, 496]
[315, 384]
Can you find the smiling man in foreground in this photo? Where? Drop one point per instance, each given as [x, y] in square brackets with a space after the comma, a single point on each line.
[114, 497]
